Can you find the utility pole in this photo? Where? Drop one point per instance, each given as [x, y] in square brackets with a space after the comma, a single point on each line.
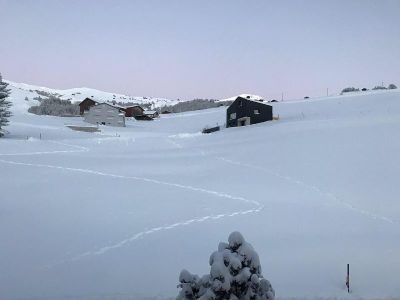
[282, 96]
[327, 92]
[348, 278]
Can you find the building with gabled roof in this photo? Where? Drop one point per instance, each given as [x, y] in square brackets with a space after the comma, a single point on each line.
[246, 111]
[86, 104]
[133, 111]
[105, 114]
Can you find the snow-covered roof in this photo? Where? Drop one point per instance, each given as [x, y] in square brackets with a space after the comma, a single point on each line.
[261, 101]
[89, 98]
[112, 105]
[117, 105]
[136, 105]
[245, 96]
[149, 112]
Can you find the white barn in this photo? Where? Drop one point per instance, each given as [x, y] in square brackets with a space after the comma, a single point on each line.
[105, 114]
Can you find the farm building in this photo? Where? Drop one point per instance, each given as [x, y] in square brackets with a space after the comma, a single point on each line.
[105, 114]
[133, 110]
[86, 104]
[244, 111]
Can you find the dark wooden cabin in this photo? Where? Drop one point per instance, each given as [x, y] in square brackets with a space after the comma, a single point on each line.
[133, 111]
[85, 105]
[244, 112]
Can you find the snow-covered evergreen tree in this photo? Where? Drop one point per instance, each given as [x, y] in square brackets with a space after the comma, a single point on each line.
[235, 275]
[5, 105]
[392, 86]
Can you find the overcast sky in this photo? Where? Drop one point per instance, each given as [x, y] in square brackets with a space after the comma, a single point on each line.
[210, 49]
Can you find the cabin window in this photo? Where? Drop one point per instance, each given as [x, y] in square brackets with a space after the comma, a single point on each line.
[233, 116]
[240, 103]
[256, 112]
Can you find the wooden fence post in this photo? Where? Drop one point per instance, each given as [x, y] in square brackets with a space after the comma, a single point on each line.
[348, 278]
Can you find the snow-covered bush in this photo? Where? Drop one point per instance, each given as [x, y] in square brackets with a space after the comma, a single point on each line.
[196, 104]
[5, 105]
[392, 86]
[235, 275]
[350, 89]
[379, 87]
[55, 107]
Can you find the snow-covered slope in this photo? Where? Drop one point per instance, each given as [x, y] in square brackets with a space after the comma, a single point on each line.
[118, 214]
[21, 91]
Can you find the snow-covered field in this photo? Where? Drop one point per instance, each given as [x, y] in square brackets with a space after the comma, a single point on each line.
[118, 214]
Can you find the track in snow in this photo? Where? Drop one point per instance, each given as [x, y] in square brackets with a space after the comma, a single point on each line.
[316, 189]
[298, 182]
[104, 249]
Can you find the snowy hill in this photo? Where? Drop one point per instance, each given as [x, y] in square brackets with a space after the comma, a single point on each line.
[20, 91]
[118, 214]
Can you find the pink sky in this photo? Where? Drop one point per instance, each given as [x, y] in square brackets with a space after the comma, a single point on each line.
[202, 49]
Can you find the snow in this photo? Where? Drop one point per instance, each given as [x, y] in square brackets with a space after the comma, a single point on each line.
[235, 240]
[118, 214]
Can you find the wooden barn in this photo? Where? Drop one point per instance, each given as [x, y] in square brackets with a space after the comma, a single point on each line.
[133, 111]
[86, 104]
[105, 114]
[245, 111]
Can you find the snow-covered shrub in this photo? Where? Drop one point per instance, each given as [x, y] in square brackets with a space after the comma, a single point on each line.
[392, 86]
[379, 87]
[5, 105]
[55, 107]
[235, 275]
[350, 89]
[196, 104]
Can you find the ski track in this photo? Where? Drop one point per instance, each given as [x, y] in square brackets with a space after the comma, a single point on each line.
[142, 234]
[144, 179]
[315, 189]
[78, 149]
[104, 249]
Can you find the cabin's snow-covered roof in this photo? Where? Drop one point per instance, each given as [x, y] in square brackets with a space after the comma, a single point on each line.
[136, 105]
[261, 101]
[149, 112]
[245, 96]
[111, 105]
